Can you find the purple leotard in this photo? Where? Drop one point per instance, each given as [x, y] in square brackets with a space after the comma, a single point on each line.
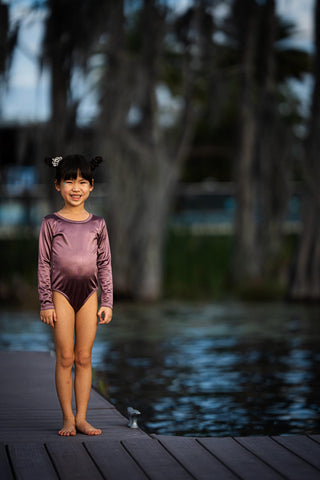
[73, 256]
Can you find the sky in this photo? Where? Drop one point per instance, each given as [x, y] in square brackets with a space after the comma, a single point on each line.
[27, 99]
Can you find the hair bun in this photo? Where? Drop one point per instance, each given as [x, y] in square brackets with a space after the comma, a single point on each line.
[94, 162]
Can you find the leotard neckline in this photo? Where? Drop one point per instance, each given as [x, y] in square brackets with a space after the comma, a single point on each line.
[73, 221]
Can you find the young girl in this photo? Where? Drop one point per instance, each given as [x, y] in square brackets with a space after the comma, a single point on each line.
[74, 253]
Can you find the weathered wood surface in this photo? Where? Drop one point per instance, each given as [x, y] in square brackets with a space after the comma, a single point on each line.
[280, 458]
[29, 407]
[31, 449]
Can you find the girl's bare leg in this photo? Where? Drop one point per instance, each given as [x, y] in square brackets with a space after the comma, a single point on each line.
[64, 340]
[85, 328]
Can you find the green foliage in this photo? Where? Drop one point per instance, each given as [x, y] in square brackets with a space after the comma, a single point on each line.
[103, 388]
[18, 277]
[196, 266]
[274, 284]
[19, 255]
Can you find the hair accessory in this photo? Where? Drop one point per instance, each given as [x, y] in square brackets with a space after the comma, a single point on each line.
[56, 161]
[94, 162]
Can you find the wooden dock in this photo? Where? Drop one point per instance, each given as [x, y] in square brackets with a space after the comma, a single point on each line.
[31, 448]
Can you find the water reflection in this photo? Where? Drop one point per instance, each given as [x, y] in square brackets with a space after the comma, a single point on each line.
[226, 369]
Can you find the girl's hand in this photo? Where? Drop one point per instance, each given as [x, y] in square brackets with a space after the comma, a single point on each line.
[48, 316]
[105, 315]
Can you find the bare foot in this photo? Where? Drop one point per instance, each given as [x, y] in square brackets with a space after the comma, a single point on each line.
[84, 427]
[68, 429]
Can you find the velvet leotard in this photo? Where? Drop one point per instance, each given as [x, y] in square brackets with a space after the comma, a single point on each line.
[73, 256]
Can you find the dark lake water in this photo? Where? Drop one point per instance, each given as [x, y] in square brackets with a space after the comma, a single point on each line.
[202, 369]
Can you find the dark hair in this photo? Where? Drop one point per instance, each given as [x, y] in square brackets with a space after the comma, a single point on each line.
[69, 165]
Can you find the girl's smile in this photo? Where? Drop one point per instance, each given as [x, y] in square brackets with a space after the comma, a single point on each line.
[74, 191]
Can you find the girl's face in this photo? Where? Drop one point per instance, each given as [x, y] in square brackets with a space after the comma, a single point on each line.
[74, 191]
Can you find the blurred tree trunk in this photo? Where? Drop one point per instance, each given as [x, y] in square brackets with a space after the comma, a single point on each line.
[144, 158]
[58, 57]
[8, 42]
[154, 170]
[272, 166]
[60, 130]
[305, 282]
[8, 39]
[244, 262]
[4, 30]
[262, 167]
[117, 85]
[71, 31]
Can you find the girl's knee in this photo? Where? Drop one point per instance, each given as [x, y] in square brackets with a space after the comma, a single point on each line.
[82, 359]
[65, 359]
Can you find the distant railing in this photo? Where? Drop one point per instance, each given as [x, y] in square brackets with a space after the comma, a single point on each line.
[202, 208]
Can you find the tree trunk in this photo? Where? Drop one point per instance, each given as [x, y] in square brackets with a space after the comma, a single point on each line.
[244, 265]
[262, 168]
[8, 42]
[116, 94]
[305, 282]
[273, 170]
[145, 160]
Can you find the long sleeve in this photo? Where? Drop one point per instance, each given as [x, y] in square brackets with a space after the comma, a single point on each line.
[44, 266]
[104, 268]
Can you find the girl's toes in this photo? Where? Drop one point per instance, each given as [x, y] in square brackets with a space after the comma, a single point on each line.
[85, 427]
[67, 430]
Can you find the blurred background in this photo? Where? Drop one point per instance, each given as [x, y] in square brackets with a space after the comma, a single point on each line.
[207, 114]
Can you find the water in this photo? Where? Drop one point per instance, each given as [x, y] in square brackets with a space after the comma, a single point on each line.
[202, 369]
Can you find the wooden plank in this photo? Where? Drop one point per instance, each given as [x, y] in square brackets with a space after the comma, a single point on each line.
[155, 461]
[13, 436]
[22, 386]
[51, 434]
[278, 457]
[196, 459]
[31, 419]
[5, 469]
[114, 460]
[29, 408]
[302, 446]
[315, 437]
[31, 461]
[238, 459]
[71, 460]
